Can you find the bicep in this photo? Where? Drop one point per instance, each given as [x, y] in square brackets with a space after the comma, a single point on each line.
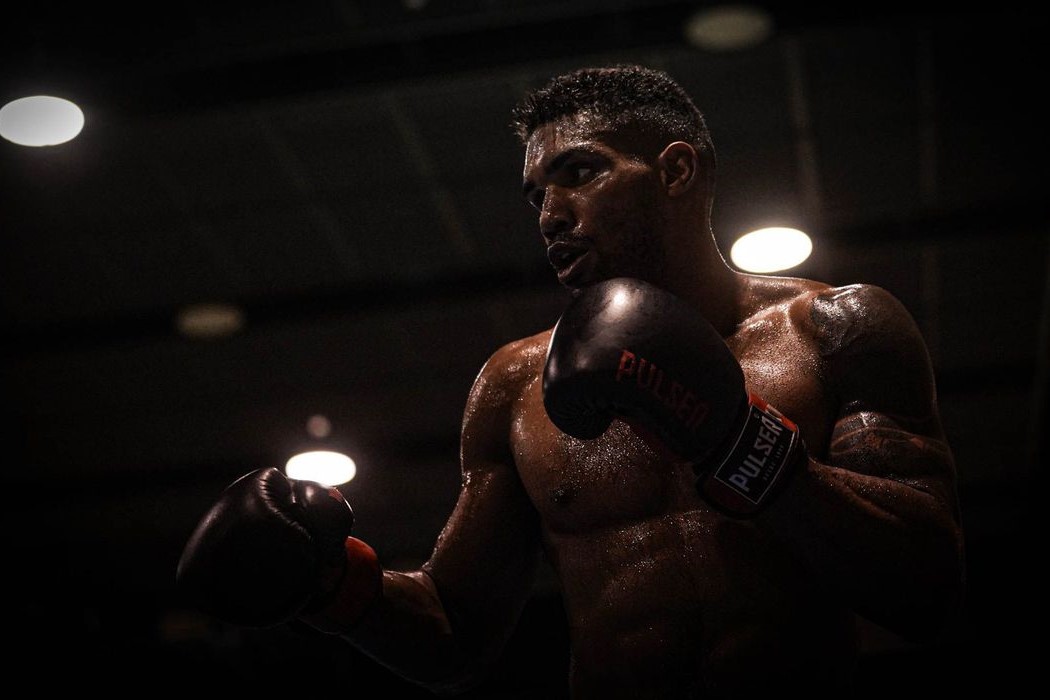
[875, 445]
[489, 545]
[486, 557]
[888, 425]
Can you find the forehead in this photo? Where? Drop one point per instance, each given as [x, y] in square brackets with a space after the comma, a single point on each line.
[550, 139]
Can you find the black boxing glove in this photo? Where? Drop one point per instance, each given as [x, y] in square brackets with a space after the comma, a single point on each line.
[274, 549]
[626, 349]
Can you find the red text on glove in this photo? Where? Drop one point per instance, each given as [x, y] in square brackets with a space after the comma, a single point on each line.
[675, 396]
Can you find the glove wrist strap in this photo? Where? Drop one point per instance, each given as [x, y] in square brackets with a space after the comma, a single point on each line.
[767, 449]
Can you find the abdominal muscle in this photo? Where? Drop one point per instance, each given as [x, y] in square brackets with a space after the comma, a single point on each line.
[635, 611]
[693, 605]
[665, 597]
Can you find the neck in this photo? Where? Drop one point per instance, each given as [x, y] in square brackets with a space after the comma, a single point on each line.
[703, 278]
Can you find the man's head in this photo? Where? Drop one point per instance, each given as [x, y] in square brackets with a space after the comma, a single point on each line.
[646, 106]
[618, 163]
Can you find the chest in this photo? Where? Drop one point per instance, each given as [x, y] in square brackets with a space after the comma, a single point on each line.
[785, 369]
[617, 478]
[582, 485]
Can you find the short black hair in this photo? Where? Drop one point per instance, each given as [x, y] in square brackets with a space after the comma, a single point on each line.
[618, 97]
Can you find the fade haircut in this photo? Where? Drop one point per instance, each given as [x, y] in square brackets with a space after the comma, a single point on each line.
[620, 98]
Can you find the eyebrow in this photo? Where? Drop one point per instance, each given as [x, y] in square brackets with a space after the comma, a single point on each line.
[556, 162]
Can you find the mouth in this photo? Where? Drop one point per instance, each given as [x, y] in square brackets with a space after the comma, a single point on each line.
[567, 259]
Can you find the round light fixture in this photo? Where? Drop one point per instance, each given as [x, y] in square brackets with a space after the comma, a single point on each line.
[209, 320]
[771, 249]
[324, 466]
[728, 27]
[40, 120]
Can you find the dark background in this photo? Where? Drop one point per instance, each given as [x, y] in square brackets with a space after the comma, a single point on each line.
[343, 172]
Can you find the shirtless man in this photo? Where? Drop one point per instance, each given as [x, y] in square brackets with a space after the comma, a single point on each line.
[676, 582]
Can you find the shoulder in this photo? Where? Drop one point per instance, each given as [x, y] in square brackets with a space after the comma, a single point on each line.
[835, 319]
[859, 318]
[495, 398]
[508, 371]
[859, 333]
[871, 350]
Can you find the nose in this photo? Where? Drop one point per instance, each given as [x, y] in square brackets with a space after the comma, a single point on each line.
[555, 215]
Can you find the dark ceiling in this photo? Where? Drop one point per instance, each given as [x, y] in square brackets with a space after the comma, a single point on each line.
[343, 171]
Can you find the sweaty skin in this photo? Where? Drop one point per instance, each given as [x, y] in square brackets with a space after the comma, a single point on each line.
[665, 597]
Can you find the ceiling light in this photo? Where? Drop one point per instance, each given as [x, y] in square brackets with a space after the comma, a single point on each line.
[318, 426]
[728, 27]
[209, 320]
[322, 466]
[40, 120]
[770, 249]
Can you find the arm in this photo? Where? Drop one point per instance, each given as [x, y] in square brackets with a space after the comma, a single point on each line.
[875, 512]
[443, 625]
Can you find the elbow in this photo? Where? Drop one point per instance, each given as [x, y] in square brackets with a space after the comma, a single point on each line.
[465, 679]
[935, 605]
[930, 622]
[449, 688]
[949, 586]
[920, 598]
[469, 667]
[927, 616]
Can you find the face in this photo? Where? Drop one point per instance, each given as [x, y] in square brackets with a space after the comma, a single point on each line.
[599, 207]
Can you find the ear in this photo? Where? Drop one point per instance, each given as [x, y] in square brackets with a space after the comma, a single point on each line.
[679, 166]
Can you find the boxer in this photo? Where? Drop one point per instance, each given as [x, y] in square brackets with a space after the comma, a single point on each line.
[723, 469]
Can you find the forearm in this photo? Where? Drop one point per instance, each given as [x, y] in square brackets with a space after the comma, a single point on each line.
[407, 630]
[891, 549]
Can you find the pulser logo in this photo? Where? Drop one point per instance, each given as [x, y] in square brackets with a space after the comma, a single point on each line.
[683, 403]
[760, 453]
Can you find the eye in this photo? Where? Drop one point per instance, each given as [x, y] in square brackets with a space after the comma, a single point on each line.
[580, 173]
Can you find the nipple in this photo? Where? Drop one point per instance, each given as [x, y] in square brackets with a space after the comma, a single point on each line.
[563, 495]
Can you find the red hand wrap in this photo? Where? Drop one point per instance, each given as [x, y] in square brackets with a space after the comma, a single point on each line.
[361, 584]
